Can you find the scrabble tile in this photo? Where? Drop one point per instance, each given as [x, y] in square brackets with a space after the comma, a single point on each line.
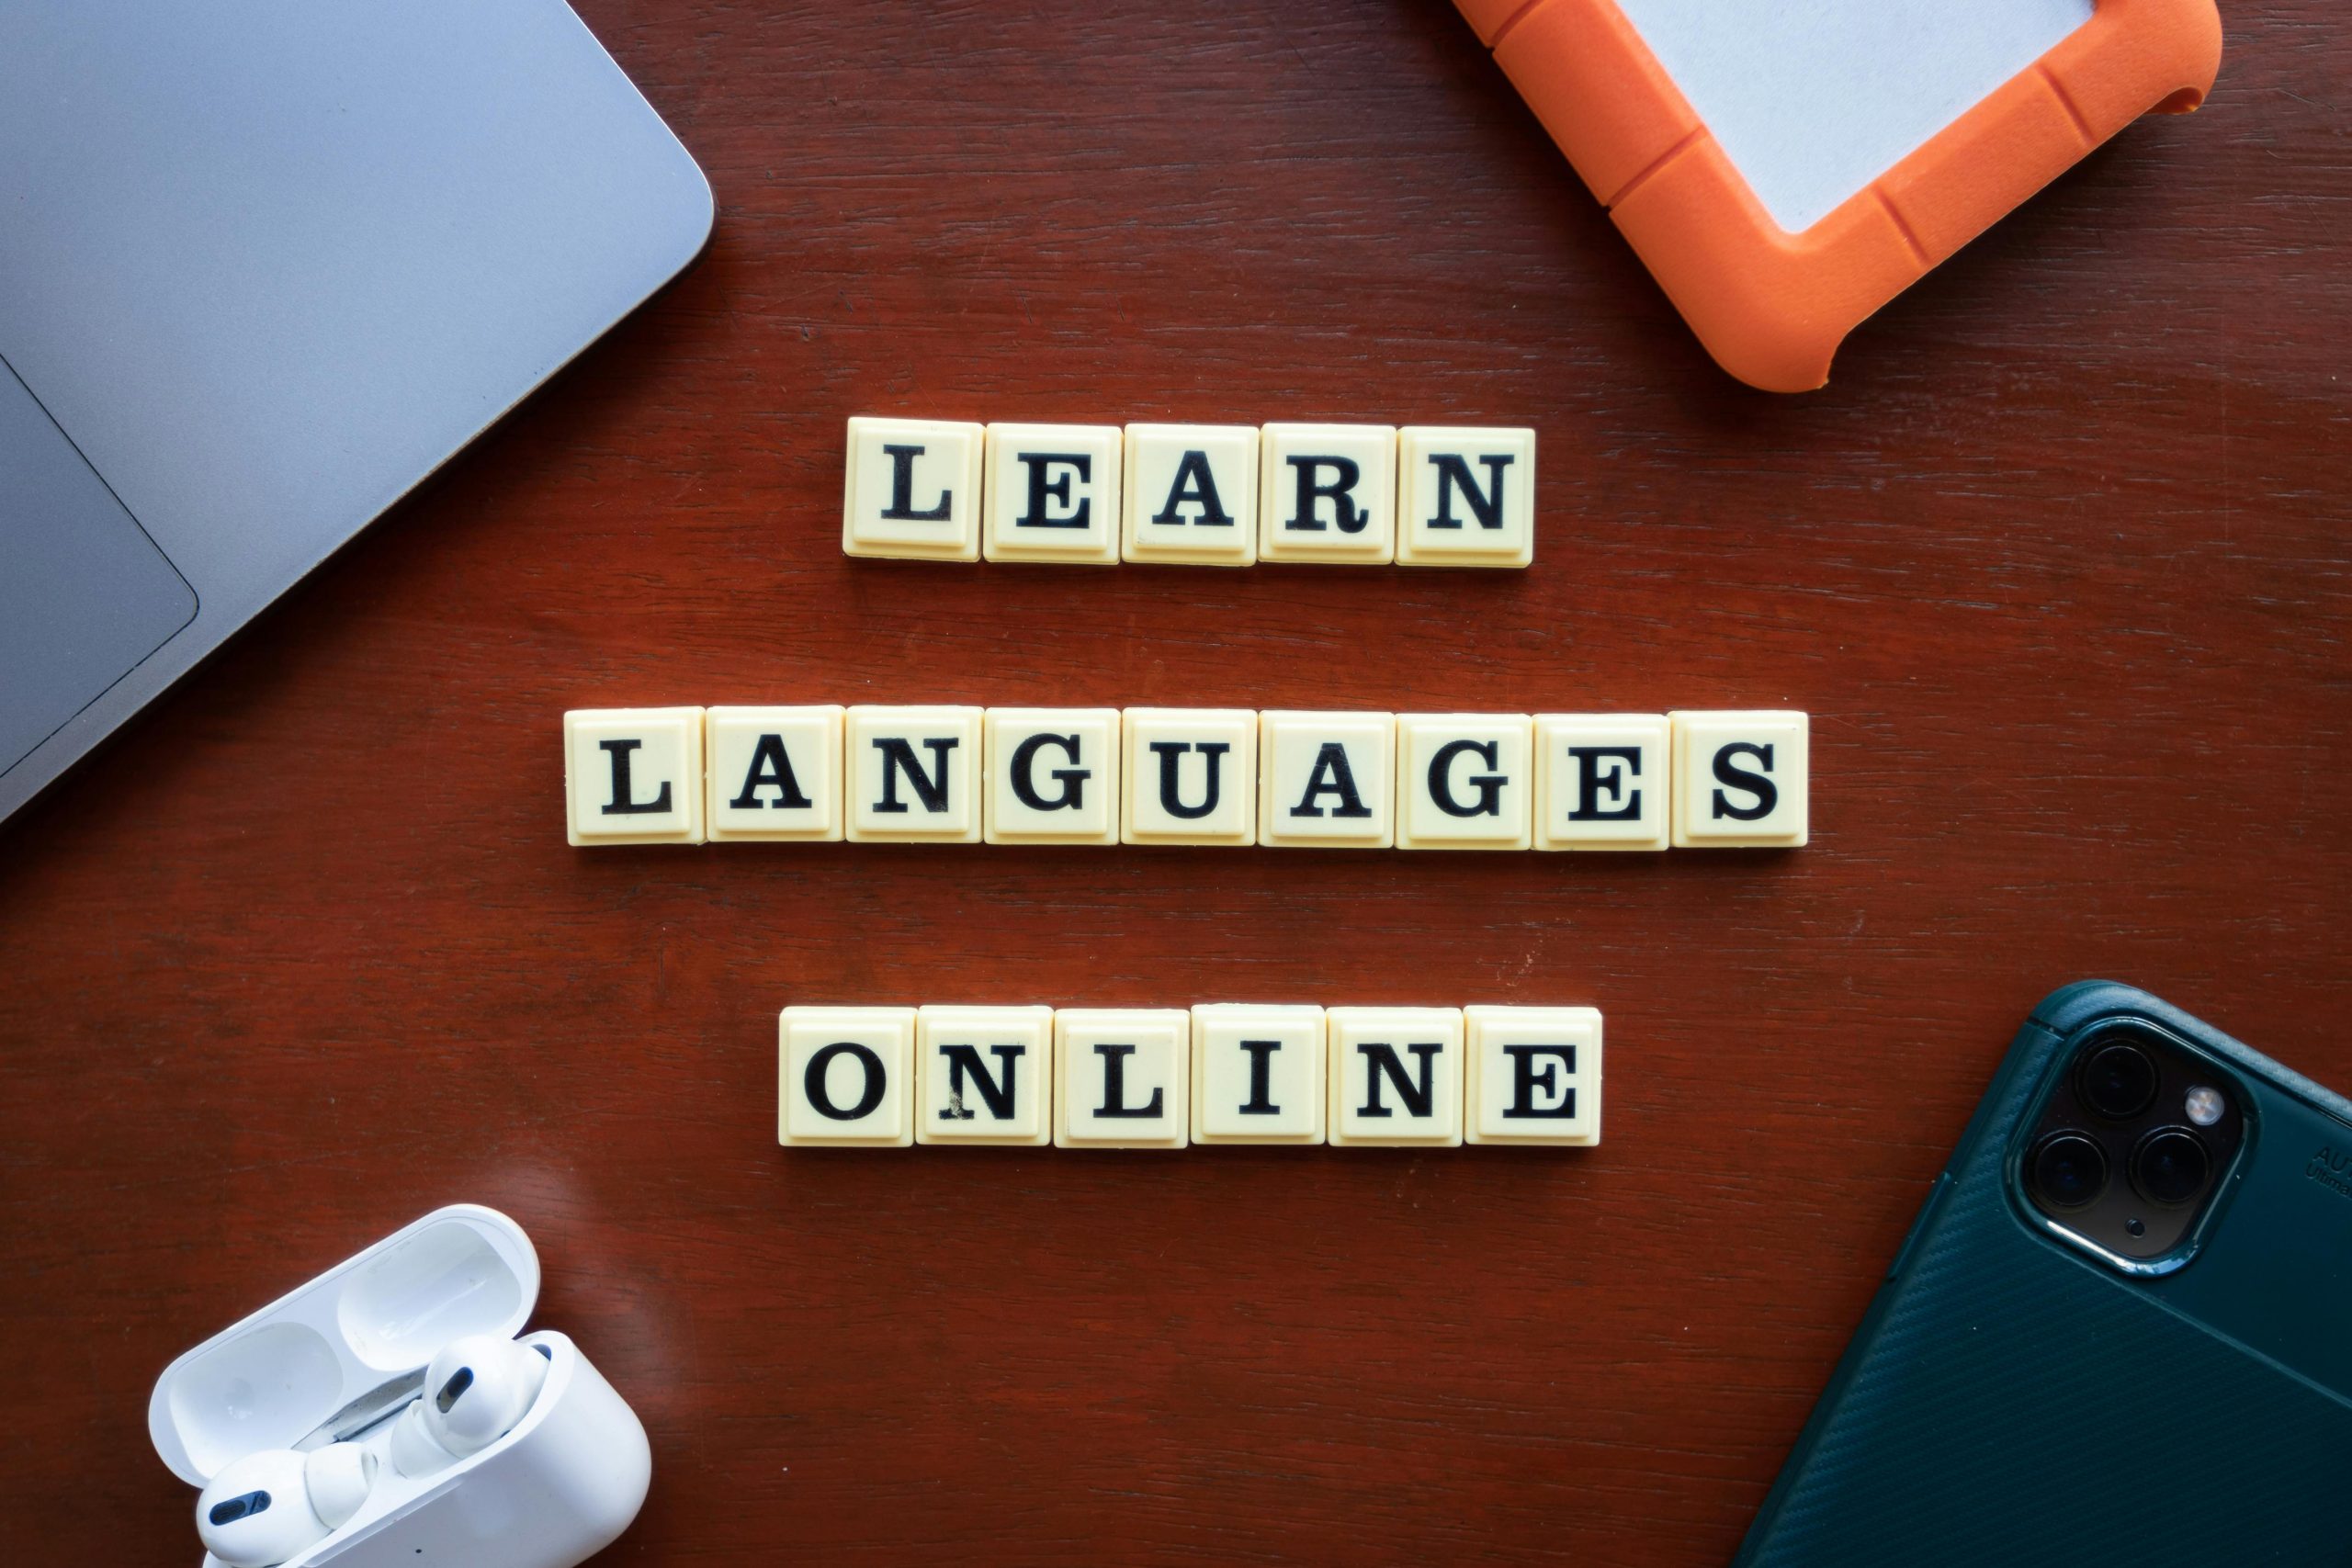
[633, 776]
[1740, 780]
[774, 773]
[984, 1074]
[1053, 775]
[1053, 493]
[1191, 494]
[1602, 781]
[1533, 1074]
[1464, 497]
[1396, 1075]
[914, 775]
[1465, 781]
[912, 489]
[1258, 1074]
[846, 1077]
[1327, 492]
[1121, 1078]
[1326, 780]
[1191, 776]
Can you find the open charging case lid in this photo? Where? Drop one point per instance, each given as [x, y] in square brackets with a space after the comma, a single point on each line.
[354, 1332]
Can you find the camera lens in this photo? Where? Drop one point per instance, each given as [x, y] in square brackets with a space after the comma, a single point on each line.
[2118, 1081]
[2170, 1166]
[2068, 1170]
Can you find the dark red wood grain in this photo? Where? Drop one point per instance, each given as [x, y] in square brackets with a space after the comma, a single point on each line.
[2058, 562]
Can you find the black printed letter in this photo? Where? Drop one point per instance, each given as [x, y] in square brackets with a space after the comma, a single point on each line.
[1196, 486]
[1488, 785]
[898, 757]
[902, 489]
[1024, 776]
[877, 1078]
[1767, 793]
[771, 768]
[1454, 473]
[621, 805]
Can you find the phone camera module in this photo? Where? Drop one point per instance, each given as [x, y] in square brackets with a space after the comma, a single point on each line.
[2068, 1172]
[2170, 1166]
[2119, 1081]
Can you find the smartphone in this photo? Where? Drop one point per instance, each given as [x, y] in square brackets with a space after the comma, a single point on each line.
[2118, 1331]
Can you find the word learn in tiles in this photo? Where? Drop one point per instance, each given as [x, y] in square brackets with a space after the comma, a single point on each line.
[1190, 494]
[1282, 779]
[1164, 1077]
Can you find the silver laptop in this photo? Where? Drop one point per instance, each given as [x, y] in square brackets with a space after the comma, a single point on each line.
[264, 265]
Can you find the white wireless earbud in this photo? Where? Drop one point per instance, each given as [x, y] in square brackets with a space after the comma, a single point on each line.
[278, 1503]
[475, 1391]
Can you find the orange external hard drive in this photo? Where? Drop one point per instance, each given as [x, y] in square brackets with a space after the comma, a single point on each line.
[1785, 167]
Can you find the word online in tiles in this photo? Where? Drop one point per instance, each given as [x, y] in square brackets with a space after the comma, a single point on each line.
[1283, 779]
[1191, 494]
[1164, 1077]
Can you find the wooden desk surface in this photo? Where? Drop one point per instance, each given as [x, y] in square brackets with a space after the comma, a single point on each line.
[2058, 563]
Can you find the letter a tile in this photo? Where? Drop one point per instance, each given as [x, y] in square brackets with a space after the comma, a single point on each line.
[775, 774]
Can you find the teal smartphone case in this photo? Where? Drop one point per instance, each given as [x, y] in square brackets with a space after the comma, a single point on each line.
[2010, 1399]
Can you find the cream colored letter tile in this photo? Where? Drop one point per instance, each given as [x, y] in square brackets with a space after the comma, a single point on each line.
[1396, 1076]
[1327, 492]
[1466, 497]
[1191, 776]
[1053, 775]
[847, 1077]
[1534, 1075]
[1602, 781]
[912, 489]
[914, 774]
[1191, 494]
[984, 1074]
[1327, 780]
[1054, 494]
[1258, 1074]
[1465, 781]
[1121, 1078]
[633, 776]
[1740, 780]
[774, 773]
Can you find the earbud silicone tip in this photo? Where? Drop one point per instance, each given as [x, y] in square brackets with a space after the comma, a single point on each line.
[415, 1453]
[340, 1477]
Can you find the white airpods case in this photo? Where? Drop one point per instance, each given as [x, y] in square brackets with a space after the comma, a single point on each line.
[345, 1354]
